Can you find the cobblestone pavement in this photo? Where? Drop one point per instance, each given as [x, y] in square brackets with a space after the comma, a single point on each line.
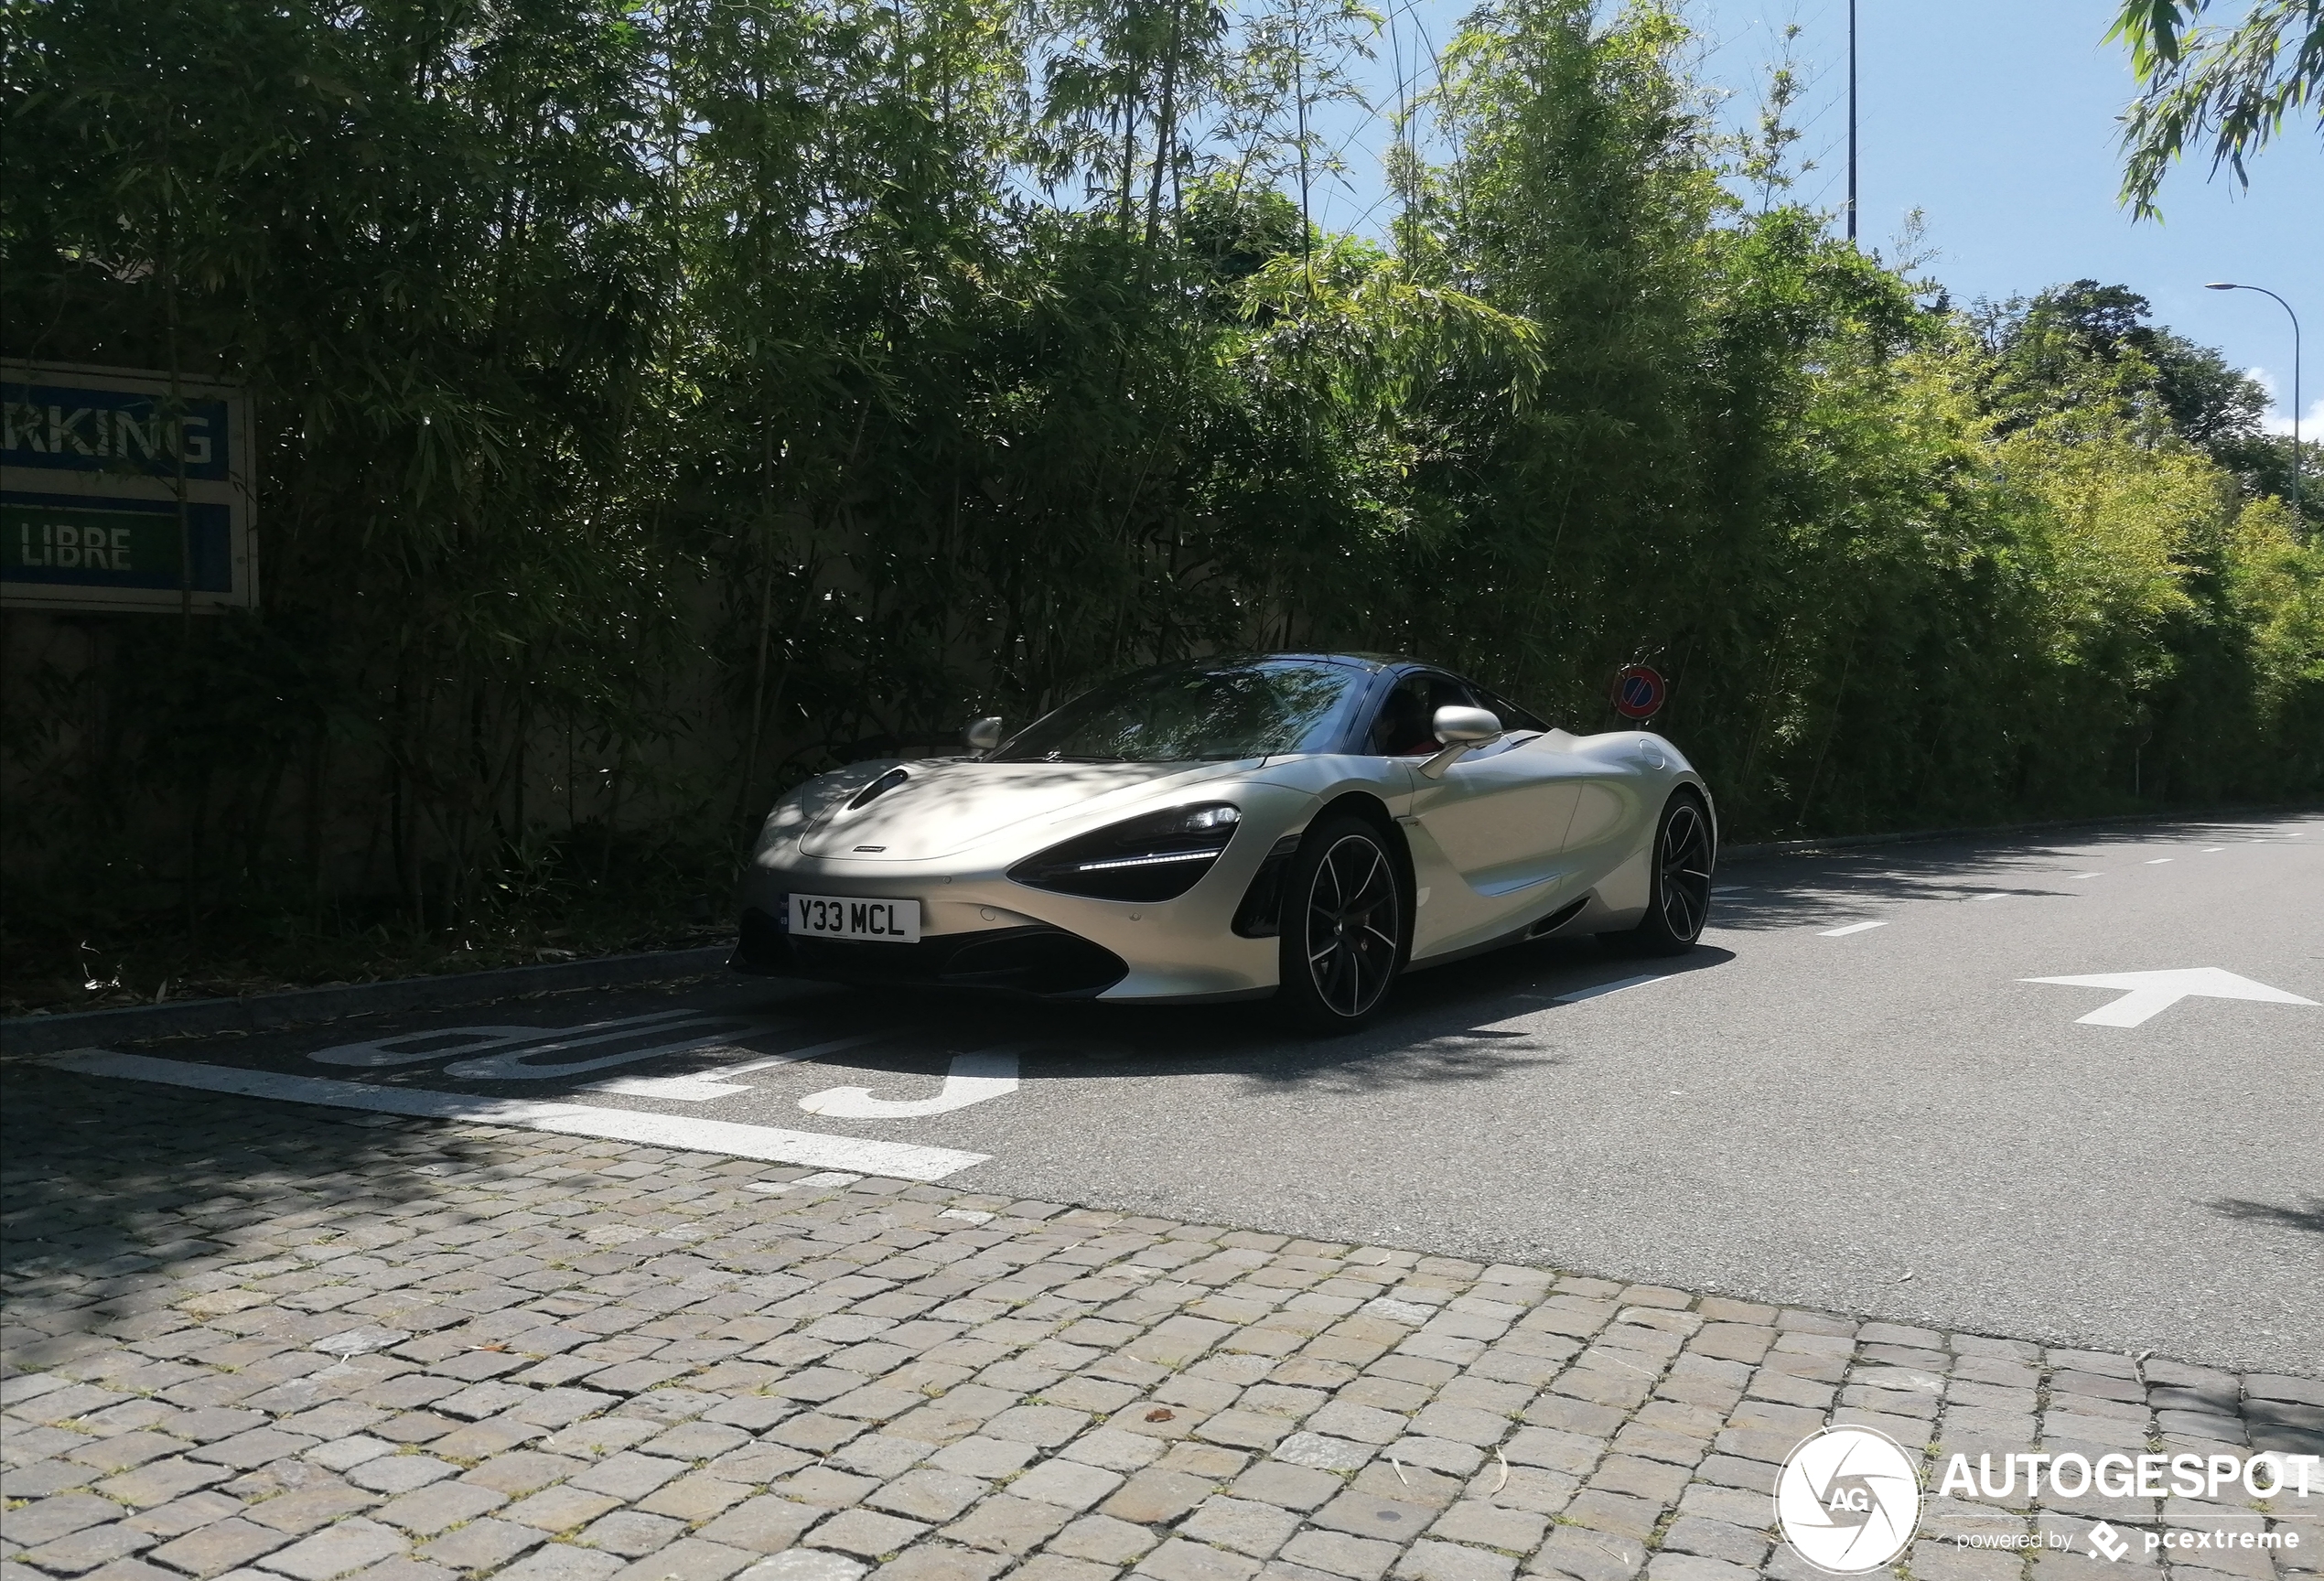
[259, 1344]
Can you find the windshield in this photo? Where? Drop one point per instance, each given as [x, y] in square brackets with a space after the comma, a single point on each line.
[1206, 709]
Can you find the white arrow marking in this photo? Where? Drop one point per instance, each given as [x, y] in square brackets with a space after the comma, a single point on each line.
[2149, 994]
[973, 1079]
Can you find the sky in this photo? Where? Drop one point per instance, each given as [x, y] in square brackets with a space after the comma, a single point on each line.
[1995, 119]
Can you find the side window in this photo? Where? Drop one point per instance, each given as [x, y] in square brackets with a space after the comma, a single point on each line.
[1510, 716]
[1402, 728]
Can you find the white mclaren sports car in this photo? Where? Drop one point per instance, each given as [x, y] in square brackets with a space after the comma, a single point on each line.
[1307, 825]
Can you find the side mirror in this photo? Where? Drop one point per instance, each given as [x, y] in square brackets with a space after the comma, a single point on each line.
[1459, 729]
[1469, 727]
[984, 735]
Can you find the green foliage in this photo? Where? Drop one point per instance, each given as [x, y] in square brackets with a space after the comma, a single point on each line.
[2234, 85]
[662, 403]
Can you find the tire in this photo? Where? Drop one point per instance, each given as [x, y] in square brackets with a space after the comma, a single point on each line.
[1679, 898]
[1344, 926]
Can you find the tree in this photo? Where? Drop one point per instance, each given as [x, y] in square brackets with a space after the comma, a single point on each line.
[2234, 86]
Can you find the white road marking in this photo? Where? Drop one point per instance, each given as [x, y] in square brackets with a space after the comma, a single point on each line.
[516, 1064]
[2157, 861]
[410, 1048]
[706, 1086]
[1602, 989]
[2209, 849]
[973, 1079]
[1851, 927]
[1996, 894]
[764, 1142]
[2148, 993]
[2089, 875]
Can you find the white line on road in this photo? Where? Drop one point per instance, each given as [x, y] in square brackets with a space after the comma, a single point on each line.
[1851, 927]
[764, 1142]
[1602, 989]
[2157, 861]
[2089, 875]
[1997, 895]
[2209, 849]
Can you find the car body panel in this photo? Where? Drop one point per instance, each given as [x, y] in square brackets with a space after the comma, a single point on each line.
[1534, 827]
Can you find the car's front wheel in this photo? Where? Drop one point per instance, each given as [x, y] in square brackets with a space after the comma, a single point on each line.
[1343, 926]
[1680, 899]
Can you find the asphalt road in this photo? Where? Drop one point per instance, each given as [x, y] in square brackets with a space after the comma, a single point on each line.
[1886, 1119]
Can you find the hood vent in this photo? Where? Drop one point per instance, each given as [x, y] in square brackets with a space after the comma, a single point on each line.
[877, 789]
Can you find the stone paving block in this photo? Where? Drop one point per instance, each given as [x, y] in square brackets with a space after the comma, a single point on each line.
[400, 1473]
[560, 1509]
[315, 1504]
[928, 1495]
[216, 1548]
[865, 1532]
[1103, 1540]
[1287, 1486]
[628, 1475]
[563, 1562]
[1008, 1524]
[944, 1562]
[695, 1498]
[1055, 1567]
[1243, 1525]
[1430, 1560]
[1673, 1567]
[632, 1533]
[806, 1564]
[484, 1544]
[764, 1524]
[80, 1551]
[1589, 1556]
[349, 1546]
[977, 1456]
[1067, 1484]
[1491, 1525]
[49, 1518]
[1155, 1497]
[1340, 1554]
[1179, 1560]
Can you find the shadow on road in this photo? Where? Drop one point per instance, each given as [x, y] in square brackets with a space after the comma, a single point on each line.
[1839, 887]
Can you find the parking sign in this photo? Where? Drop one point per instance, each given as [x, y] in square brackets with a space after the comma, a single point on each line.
[116, 494]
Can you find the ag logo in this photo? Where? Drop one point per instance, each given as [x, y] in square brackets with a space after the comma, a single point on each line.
[1848, 1499]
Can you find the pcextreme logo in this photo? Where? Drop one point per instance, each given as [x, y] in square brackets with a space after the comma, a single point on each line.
[1848, 1499]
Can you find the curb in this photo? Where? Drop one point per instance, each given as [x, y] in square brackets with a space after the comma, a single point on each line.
[1746, 852]
[254, 1012]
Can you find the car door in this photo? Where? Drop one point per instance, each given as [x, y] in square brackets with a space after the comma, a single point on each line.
[1498, 815]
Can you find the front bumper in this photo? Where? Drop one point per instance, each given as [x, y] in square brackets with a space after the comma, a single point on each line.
[1033, 959]
[979, 928]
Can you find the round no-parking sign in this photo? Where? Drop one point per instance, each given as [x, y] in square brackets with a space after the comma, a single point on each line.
[1638, 692]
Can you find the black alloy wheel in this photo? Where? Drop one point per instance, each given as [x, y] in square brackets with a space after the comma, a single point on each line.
[1681, 901]
[1343, 940]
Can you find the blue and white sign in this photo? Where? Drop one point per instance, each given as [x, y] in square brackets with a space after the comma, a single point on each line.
[118, 494]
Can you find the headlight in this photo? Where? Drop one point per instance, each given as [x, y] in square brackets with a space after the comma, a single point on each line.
[1157, 857]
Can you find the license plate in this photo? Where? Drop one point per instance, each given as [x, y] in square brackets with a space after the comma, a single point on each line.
[839, 916]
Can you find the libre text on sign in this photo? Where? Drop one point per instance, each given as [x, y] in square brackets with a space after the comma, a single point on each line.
[115, 494]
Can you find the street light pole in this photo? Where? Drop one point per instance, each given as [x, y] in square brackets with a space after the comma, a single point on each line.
[1852, 127]
[2231, 285]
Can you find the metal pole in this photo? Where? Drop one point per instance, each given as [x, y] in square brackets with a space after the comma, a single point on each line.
[1852, 134]
[2231, 285]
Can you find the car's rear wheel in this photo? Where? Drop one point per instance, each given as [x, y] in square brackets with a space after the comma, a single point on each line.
[1680, 902]
[1343, 926]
